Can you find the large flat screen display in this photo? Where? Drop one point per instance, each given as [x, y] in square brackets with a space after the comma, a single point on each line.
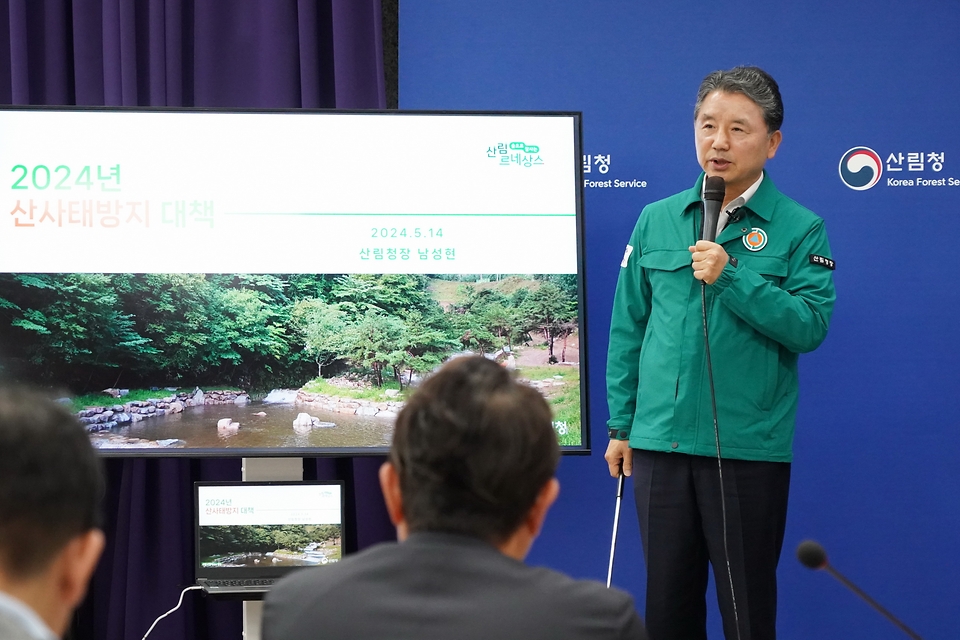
[205, 282]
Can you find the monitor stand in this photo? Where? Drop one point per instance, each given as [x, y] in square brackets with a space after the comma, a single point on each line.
[265, 469]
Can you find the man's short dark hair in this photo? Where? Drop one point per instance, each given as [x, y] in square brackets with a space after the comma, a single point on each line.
[753, 82]
[51, 480]
[473, 448]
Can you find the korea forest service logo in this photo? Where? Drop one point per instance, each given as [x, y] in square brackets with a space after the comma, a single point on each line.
[756, 239]
[861, 168]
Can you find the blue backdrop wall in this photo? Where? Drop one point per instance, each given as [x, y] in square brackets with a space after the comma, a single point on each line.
[876, 477]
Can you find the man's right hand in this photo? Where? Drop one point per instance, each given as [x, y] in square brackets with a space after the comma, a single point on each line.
[619, 456]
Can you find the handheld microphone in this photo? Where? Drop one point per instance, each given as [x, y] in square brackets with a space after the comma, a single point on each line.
[714, 188]
[812, 555]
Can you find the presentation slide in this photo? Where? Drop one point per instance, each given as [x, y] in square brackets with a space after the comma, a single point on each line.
[206, 282]
[268, 505]
[269, 525]
[213, 192]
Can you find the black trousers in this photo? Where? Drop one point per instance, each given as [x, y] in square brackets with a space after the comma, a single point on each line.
[681, 526]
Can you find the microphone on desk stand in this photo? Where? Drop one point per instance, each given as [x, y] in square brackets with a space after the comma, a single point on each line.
[813, 556]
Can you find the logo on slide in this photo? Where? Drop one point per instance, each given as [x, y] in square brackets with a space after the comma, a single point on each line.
[517, 153]
[860, 168]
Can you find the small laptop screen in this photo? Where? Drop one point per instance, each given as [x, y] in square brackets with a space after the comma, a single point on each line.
[266, 529]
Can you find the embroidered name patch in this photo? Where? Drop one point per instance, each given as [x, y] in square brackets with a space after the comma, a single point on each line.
[626, 255]
[756, 239]
[822, 261]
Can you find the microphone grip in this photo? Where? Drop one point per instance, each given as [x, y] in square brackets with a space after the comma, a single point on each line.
[709, 231]
[870, 601]
[714, 189]
[711, 218]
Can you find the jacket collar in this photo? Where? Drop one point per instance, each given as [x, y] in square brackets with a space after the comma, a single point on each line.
[762, 203]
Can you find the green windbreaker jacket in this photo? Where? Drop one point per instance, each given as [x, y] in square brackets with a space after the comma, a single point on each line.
[774, 303]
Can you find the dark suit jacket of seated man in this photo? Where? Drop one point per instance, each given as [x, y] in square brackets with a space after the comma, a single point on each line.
[468, 483]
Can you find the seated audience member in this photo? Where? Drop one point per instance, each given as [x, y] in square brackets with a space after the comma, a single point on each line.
[51, 484]
[468, 483]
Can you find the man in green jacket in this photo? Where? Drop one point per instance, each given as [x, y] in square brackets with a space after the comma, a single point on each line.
[767, 286]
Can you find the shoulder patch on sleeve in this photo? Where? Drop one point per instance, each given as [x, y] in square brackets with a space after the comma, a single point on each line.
[626, 256]
[822, 261]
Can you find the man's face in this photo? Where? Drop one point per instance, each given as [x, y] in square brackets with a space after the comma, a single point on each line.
[732, 140]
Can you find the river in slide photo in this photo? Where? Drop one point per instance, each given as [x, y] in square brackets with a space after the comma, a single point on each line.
[259, 426]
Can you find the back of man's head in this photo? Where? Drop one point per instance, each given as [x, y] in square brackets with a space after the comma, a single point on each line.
[472, 449]
[51, 481]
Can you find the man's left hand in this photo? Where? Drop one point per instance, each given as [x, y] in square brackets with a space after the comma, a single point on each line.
[709, 259]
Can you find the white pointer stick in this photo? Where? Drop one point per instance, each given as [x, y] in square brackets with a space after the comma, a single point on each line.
[616, 522]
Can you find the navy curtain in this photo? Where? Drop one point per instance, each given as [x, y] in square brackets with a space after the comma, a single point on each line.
[202, 53]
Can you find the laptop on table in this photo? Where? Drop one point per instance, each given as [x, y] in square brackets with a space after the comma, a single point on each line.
[248, 535]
